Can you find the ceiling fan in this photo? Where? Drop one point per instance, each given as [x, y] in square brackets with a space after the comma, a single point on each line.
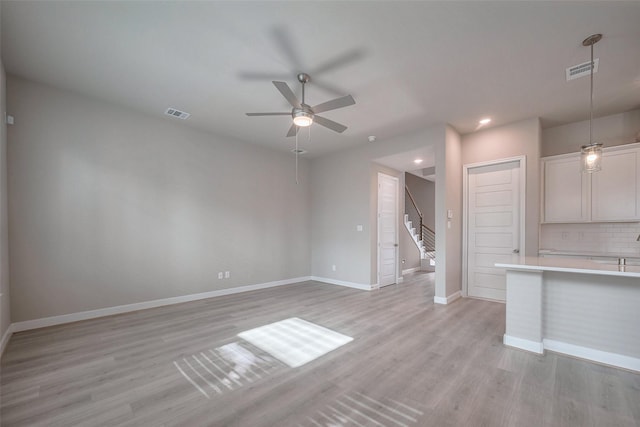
[304, 115]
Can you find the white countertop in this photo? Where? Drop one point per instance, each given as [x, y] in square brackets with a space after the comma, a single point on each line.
[611, 255]
[571, 265]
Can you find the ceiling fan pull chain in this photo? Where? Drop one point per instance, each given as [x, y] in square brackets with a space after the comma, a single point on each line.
[297, 157]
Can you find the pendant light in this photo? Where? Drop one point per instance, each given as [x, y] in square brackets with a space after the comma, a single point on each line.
[591, 153]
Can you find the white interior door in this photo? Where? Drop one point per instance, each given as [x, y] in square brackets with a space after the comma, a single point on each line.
[387, 229]
[493, 227]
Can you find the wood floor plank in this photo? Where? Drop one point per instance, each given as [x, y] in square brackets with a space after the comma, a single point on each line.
[411, 363]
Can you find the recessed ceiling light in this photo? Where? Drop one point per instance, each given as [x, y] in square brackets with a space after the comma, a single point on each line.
[372, 138]
[417, 161]
[485, 121]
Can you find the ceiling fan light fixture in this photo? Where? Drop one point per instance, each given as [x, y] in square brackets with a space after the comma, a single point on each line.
[303, 119]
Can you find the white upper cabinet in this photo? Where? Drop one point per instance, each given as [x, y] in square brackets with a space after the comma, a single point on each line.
[615, 192]
[565, 190]
[612, 194]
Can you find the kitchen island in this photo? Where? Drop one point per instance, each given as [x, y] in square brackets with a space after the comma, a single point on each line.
[576, 307]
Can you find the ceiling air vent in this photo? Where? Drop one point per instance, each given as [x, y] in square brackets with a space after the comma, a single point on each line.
[177, 113]
[582, 70]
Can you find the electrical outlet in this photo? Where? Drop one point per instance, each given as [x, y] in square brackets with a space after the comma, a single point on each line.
[227, 274]
[333, 267]
[220, 275]
[359, 227]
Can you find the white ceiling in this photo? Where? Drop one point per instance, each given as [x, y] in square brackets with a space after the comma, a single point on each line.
[417, 63]
[405, 161]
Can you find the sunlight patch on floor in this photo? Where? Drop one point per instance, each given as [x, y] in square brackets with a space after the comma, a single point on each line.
[295, 341]
[357, 409]
[225, 368]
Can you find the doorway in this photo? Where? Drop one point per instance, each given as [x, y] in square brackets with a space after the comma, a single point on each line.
[493, 227]
[387, 229]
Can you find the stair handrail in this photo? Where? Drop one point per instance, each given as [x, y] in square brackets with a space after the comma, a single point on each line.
[413, 202]
[429, 238]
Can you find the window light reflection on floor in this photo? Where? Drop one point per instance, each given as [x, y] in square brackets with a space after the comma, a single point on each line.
[295, 341]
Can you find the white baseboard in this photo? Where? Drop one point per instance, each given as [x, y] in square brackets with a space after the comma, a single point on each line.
[399, 279]
[410, 270]
[535, 347]
[612, 359]
[342, 283]
[447, 300]
[109, 311]
[5, 339]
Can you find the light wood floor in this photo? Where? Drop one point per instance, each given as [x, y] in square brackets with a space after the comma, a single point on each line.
[411, 363]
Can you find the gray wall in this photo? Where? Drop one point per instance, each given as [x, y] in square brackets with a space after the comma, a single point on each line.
[344, 194]
[617, 129]
[448, 231]
[108, 207]
[515, 139]
[5, 313]
[410, 257]
[424, 193]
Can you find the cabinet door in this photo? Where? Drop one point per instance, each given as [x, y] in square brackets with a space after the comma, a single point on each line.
[615, 191]
[565, 190]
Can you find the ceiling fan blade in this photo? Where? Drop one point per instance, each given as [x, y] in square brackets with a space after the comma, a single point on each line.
[329, 88]
[292, 130]
[249, 75]
[284, 43]
[287, 93]
[268, 114]
[329, 124]
[339, 61]
[334, 104]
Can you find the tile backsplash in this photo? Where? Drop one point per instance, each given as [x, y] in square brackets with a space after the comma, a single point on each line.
[614, 238]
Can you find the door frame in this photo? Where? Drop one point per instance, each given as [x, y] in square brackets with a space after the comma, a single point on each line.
[395, 222]
[522, 161]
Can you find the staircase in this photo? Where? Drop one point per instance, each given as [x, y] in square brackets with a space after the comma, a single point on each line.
[426, 243]
[423, 237]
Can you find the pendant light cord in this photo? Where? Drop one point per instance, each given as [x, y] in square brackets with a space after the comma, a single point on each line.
[591, 102]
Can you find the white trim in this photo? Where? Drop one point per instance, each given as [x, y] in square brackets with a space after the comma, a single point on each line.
[522, 161]
[612, 359]
[521, 343]
[410, 270]
[399, 279]
[343, 283]
[5, 339]
[447, 300]
[109, 311]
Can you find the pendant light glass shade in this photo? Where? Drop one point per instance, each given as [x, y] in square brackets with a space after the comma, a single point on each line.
[591, 158]
[591, 154]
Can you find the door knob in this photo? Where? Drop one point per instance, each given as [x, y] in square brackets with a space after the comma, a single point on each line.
[395, 244]
[516, 251]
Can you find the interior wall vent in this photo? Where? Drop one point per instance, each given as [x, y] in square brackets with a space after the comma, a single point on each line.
[177, 113]
[582, 70]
